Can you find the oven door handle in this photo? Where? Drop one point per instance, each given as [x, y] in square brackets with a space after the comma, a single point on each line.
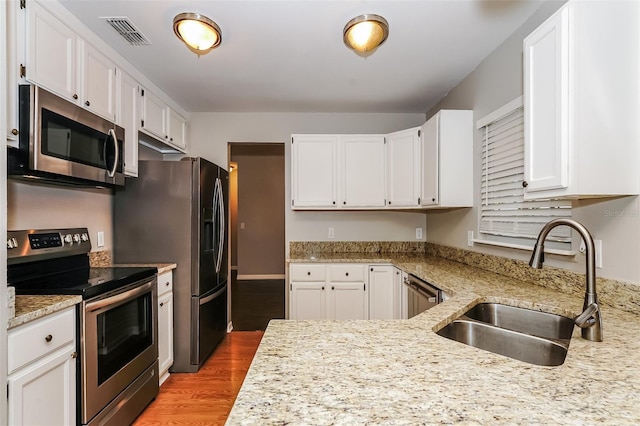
[120, 297]
[432, 298]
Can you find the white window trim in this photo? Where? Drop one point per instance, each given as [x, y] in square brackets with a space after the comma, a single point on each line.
[496, 115]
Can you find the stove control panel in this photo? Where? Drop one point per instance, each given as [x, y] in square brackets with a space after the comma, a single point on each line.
[30, 245]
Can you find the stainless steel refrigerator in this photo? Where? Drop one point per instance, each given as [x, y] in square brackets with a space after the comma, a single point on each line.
[176, 212]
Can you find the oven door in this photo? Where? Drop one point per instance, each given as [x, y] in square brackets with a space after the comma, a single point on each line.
[118, 343]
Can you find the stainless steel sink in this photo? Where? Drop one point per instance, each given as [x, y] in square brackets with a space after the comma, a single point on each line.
[542, 324]
[538, 338]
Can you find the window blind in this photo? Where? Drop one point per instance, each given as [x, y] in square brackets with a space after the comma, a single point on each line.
[504, 211]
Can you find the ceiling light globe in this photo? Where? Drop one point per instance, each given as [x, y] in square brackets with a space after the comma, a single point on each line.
[197, 31]
[365, 33]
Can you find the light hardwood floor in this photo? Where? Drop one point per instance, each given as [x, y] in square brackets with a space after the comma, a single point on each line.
[205, 397]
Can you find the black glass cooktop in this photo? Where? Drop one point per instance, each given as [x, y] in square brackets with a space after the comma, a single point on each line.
[86, 281]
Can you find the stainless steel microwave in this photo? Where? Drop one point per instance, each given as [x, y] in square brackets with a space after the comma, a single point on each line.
[61, 142]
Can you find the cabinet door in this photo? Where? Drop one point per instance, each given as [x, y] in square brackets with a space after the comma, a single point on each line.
[51, 53]
[128, 117]
[362, 170]
[165, 334]
[307, 301]
[430, 162]
[154, 117]
[400, 292]
[347, 300]
[11, 68]
[403, 168]
[546, 94]
[177, 129]
[314, 170]
[98, 82]
[382, 296]
[44, 393]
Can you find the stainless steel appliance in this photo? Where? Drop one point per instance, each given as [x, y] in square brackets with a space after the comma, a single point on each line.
[420, 295]
[61, 142]
[175, 211]
[117, 323]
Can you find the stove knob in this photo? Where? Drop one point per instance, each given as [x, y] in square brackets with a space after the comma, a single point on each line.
[15, 242]
[68, 238]
[84, 237]
[10, 244]
[76, 238]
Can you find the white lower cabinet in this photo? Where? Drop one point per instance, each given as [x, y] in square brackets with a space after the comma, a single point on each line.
[42, 371]
[345, 291]
[335, 291]
[165, 324]
[382, 293]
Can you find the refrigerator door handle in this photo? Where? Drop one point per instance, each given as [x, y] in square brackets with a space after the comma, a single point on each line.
[213, 228]
[222, 227]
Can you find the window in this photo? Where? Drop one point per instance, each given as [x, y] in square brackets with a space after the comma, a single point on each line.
[506, 218]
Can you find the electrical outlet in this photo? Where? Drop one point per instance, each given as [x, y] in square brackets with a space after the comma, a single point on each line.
[418, 233]
[100, 242]
[332, 233]
[470, 238]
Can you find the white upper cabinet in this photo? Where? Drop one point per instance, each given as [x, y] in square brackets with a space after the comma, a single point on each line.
[447, 160]
[313, 171]
[98, 76]
[362, 177]
[162, 122]
[403, 168]
[128, 116]
[11, 68]
[61, 62]
[581, 105]
[51, 53]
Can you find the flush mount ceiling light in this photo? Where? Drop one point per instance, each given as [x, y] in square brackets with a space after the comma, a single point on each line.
[198, 32]
[365, 33]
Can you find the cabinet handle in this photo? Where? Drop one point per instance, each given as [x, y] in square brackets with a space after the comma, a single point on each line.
[74, 355]
[166, 136]
[171, 139]
[347, 274]
[75, 96]
[433, 199]
[389, 202]
[371, 269]
[323, 287]
[161, 304]
[308, 273]
[334, 203]
[524, 184]
[14, 132]
[167, 283]
[87, 103]
[333, 288]
[48, 338]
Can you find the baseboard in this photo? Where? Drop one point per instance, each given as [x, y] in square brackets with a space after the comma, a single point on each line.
[260, 277]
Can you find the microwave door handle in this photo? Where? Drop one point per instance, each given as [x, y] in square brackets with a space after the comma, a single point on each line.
[111, 173]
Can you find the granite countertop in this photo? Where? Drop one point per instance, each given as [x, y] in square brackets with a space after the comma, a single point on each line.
[29, 308]
[401, 372]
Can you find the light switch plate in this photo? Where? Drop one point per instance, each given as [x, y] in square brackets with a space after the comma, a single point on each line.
[100, 242]
[332, 233]
[418, 233]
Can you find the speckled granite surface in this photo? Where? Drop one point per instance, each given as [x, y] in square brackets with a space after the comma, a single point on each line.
[29, 308]
[310, 247]
[100, 258]
[400, 372]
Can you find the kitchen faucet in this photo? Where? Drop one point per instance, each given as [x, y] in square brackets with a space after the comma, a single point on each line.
[590, 320]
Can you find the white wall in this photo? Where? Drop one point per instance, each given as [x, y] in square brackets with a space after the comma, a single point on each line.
[211, 132]
[31, 206]
[496, 81]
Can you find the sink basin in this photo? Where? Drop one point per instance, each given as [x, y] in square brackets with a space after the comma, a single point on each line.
[535, 337]
[520, 346]
[541, 324]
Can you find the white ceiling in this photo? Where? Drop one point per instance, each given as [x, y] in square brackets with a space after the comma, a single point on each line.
[288, 56]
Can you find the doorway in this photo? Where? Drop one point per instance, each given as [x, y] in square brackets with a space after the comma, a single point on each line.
[257, 247]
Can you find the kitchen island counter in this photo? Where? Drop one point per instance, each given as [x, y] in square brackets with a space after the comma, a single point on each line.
[402, 372]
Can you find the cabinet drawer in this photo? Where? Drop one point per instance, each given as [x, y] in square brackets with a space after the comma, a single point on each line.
[41, 337]
[307, 272]
[165, 283]
[352, 272]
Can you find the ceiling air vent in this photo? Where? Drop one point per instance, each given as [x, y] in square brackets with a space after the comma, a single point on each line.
[126, 29]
